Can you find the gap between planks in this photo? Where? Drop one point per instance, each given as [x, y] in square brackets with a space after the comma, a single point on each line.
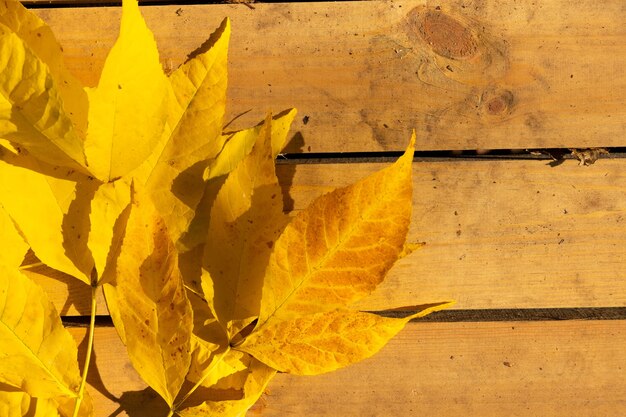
[364, 73]
[451, 315]
[474, 369]
[499, 235]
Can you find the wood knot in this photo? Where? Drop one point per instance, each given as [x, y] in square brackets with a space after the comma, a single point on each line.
[497, 102]
[445, 35]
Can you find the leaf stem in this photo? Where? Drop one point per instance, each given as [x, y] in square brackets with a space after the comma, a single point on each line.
[92, 326]
[204, 377]
[33, 265]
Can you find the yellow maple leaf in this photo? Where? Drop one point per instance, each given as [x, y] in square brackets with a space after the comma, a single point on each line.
[236, 146]
[137, 124]
[169, 186]
[20, 404]
[323, 342]
[154, 311]
[257, 376]
[107, 204]
[57, 225]
[38, 354]
[14, 247]
[128, 109]
[173, 174]
[339, 249]
[34, 115]
[246, 218]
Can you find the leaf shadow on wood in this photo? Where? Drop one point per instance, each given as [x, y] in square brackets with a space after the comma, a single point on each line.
[51, 279]
[287, 171]
[140, 403]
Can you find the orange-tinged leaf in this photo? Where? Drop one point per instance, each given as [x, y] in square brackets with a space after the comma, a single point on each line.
[246, 218]
[38, 355]
[256, 381]
[32, 113]
[128, 109]
[339, 249]
[38, 36]
[323, 342]
[14, 247]
[50, 211]
[151, 300]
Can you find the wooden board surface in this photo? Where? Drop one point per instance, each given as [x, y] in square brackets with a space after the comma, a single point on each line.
[571, 368]
[479, 75]
[499, 234]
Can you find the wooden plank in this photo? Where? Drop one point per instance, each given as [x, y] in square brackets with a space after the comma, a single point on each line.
[499, 234]
[502, 234]
[471, 369]
[485, 75]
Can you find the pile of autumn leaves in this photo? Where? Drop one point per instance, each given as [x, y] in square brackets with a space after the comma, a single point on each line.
[132, 186]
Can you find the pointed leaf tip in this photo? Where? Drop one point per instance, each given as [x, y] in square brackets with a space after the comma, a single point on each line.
[128, 108]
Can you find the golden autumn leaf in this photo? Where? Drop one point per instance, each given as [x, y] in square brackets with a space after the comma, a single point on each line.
[56, 226]
[107, 204]
[239, 144]
[152, 305]
[34, 116]
[14, 403]
[236, 146]
[20, 404]
[138, 189]
[339, 249]
[14, 247]
[323, 342]
[38, 355]
[128, 108]
[38, 37]
[257, 377]
[246, 218]
[197, 101]
[208, 340]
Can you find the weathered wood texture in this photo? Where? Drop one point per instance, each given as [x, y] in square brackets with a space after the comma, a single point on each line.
[499, 234]
[467, 75]
[552, 369]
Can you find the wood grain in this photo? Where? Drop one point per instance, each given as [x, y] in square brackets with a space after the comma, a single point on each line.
[499, 234]
[441, 369]
[481, 75]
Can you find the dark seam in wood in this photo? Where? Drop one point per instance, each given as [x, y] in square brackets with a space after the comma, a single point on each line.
[517, 314]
